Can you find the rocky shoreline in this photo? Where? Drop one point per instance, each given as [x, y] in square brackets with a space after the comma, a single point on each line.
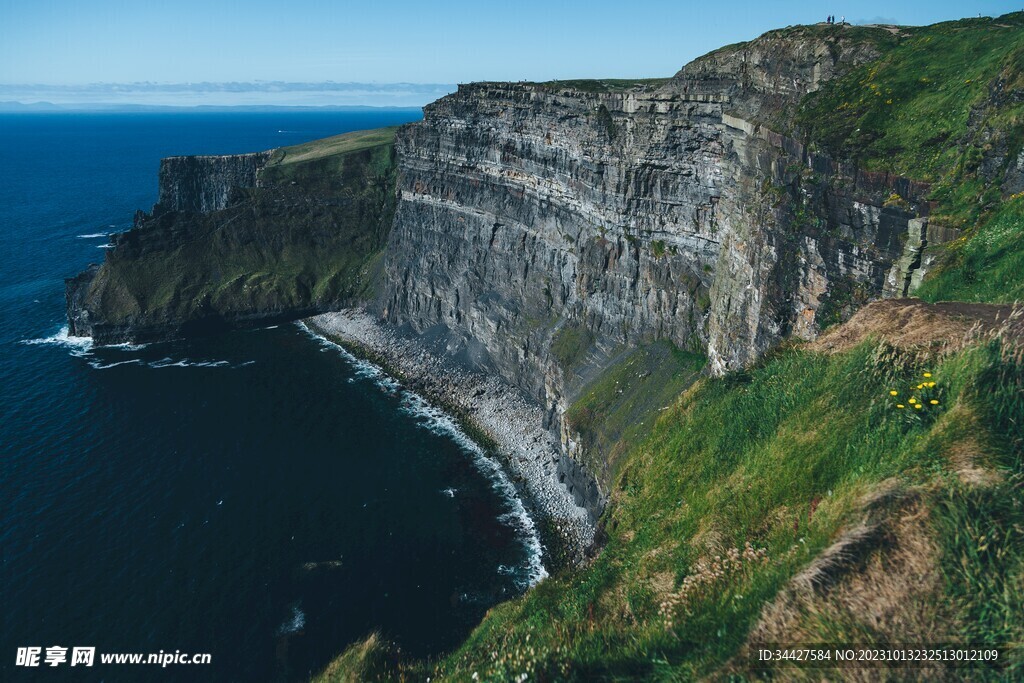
[494, 411]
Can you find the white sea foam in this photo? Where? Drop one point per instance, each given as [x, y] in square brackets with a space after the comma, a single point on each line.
[99, 365]
[437, 421]
[450, 492]
[94, 235]
[83, 347]
[363, 369]
[186, 363]
[104, 246]
[295, 622]
[124, 346]
[79, 346]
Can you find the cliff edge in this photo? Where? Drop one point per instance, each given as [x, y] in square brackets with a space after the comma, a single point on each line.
[604, 238]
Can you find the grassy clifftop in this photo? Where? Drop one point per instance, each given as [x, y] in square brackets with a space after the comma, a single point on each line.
[337, 146]
[918, 109]
[306, 238]
[945, 106]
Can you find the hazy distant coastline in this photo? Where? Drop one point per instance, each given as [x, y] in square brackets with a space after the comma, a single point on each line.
[255, 96]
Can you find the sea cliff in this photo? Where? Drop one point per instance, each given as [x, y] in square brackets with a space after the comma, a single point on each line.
[542, 231]
[244, 239]
[579, 219]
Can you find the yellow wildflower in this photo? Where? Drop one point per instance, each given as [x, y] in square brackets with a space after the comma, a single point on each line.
[894, 393]
[918, 406]
[927, 374]
[912, 400]
[934, 402]
[900, 405]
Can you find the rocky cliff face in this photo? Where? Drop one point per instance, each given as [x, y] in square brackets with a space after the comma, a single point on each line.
[205, 183]
[542, 228]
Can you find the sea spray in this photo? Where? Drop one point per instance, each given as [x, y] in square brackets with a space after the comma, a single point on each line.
[78, 346]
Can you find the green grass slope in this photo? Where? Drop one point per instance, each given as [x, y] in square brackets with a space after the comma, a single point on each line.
[745, 481]
[986, 264]
[908, 112]
[618, 408]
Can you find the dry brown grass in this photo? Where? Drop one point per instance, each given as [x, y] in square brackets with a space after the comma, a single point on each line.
[944, 327]
[662, 584]
[878, 582]
[966, 457]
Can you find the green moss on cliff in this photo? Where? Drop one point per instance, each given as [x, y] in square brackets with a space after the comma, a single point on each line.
[986, 265]
[908, 111]
[307, 238]
[945, 106]
[570, 345]
[932, 108]
[618, 409]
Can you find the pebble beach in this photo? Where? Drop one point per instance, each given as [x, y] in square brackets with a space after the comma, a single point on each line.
[513, 423]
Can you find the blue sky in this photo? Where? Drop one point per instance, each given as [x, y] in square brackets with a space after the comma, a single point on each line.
[444, 41]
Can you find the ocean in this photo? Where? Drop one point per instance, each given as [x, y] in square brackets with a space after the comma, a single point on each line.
[260, 496]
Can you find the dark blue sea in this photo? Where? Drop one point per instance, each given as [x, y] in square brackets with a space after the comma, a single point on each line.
[258, 496]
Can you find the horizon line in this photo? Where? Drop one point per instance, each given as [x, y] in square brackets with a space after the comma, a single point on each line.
[42, 107]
